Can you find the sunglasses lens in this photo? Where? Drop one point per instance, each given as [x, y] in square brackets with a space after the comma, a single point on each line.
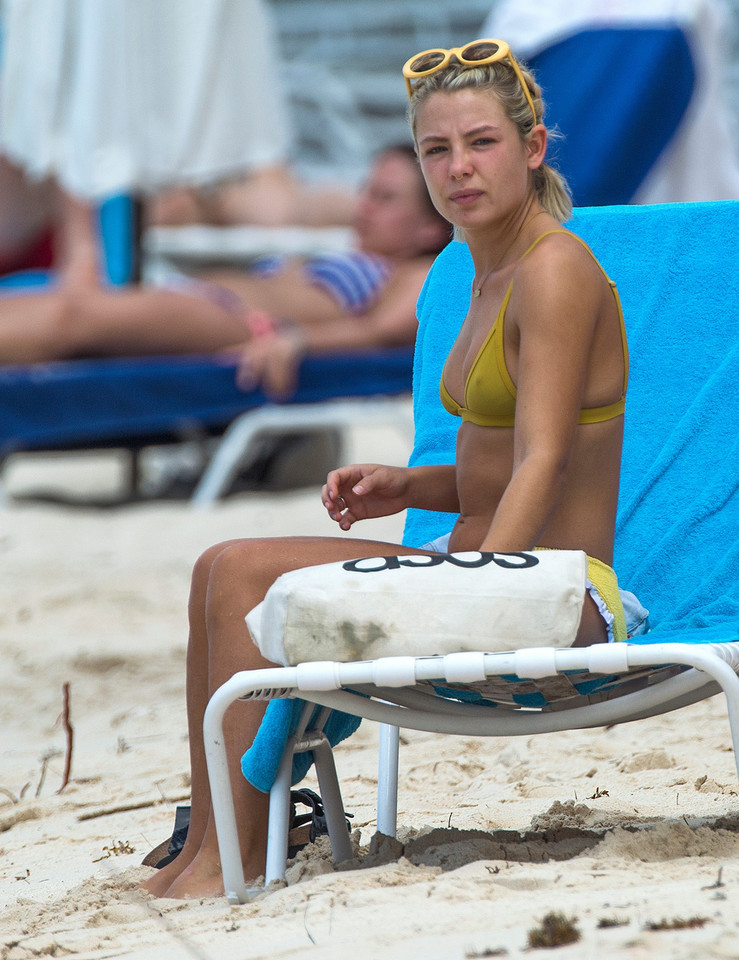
[480, 51]
[427, 61]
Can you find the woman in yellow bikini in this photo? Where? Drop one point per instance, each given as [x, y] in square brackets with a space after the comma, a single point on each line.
[537, 375]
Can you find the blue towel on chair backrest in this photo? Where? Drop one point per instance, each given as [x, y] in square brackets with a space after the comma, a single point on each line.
[676, 267]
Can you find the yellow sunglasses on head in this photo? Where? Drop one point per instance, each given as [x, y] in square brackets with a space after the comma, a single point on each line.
[478, 53]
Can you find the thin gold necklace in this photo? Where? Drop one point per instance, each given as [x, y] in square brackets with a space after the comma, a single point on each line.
[477, 290]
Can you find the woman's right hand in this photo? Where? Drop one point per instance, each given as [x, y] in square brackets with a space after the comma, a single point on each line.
[365, 490]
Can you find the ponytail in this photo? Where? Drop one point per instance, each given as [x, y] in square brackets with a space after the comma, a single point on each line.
[553, 192]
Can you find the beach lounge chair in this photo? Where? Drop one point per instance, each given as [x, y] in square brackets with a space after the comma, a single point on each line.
[133, 403]
[676, 548]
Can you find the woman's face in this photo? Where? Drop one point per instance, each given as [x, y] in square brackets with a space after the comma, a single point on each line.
[392, 215]
[476, 166]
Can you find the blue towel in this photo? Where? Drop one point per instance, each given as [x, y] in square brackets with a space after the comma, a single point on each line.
[677, 270]
[259, 764]
[442, 306]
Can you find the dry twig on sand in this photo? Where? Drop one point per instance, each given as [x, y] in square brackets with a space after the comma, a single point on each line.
[70, 737]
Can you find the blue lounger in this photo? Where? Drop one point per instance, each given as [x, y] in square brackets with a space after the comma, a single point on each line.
[134, 403]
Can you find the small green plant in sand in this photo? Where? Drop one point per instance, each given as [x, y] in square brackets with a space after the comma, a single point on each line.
[605, 922]
[555, 930]
[119, 848]
[489, 952]
[678, 923]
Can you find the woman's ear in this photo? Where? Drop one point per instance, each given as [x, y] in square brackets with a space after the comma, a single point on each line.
[536, 146]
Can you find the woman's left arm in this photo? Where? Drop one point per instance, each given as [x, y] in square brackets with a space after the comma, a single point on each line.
[552, 315]
[390, 322]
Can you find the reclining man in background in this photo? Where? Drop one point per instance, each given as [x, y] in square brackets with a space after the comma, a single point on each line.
[273, 314]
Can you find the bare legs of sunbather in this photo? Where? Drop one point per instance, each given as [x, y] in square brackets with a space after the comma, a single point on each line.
[229, 579]
[80, 317]
[77, 257]
[89, 320]
[95, 322]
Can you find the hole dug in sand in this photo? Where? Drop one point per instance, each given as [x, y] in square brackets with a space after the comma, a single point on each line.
[566, 830]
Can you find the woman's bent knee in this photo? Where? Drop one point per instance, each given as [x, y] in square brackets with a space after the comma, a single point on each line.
[236, 561]
[250, 567]
[203, 569]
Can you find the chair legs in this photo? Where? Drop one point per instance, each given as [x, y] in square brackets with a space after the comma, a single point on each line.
[313, 740]
[387, 780]
[730, 685]
[221, 794]
[316, 742]
[278, 825]
[712, 659]
[328, 784]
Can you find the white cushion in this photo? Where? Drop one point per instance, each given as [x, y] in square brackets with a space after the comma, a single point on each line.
[421, 606]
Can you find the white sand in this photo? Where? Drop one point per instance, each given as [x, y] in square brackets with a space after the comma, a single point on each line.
[97, 600]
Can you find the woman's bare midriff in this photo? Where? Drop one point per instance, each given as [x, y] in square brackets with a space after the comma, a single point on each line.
[584, 519]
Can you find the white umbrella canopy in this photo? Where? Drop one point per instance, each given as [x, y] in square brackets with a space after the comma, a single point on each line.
[135, 95]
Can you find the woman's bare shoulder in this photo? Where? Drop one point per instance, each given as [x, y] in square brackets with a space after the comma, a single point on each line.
[560, 260]
[560, 282]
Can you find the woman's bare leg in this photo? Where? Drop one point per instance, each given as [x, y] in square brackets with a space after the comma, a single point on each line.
[275, 198]
[82, 320]
[97, 322]
[230, 579]
[198, 690]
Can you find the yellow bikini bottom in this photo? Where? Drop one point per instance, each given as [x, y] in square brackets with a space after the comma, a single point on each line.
[602, 584]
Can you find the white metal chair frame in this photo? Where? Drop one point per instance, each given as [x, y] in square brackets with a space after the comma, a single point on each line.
[241, 434]
[394, 691]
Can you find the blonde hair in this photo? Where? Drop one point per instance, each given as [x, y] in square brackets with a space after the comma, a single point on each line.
[551, 188]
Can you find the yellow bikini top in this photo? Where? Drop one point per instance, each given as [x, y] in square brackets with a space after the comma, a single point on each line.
[489, 392]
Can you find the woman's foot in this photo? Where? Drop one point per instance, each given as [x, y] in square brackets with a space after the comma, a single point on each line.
[200, 878]
[158, 884]
[196, 871]
[203, 876]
